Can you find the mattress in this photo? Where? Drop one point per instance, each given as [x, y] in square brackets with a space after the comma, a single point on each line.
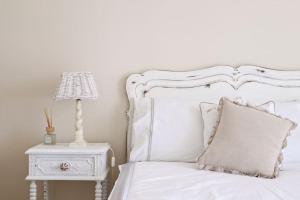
[176, 181]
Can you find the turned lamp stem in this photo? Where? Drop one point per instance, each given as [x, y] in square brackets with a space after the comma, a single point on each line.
[79, 139]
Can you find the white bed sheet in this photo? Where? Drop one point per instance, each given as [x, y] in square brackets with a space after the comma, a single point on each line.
[183, 181]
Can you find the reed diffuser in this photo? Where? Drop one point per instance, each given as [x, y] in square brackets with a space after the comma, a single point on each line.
[50, 137]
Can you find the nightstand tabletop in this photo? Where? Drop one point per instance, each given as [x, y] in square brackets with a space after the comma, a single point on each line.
[97, 148]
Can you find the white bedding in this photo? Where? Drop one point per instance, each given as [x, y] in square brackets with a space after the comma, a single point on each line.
[174, 181]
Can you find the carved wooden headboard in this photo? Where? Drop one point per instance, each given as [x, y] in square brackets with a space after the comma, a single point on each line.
[253, 83]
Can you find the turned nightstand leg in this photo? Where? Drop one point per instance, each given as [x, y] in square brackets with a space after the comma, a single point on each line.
[32, 191]
[45, 184]
[98, 191]
[104, 189]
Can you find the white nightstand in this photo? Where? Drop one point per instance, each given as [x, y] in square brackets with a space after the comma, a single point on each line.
[62, 162]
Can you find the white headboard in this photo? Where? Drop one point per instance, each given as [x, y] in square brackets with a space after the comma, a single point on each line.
[253, 83]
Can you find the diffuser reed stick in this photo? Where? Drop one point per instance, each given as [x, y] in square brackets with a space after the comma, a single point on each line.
[49, 117]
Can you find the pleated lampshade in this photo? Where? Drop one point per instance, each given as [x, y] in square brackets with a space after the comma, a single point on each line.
[77, 85]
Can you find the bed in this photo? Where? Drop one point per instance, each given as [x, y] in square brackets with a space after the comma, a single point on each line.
[148, 179]
[171, 180]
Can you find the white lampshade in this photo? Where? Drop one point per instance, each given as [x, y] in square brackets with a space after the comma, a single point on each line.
[77, 85]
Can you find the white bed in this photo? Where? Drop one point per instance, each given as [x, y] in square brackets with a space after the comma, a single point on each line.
[178, 180]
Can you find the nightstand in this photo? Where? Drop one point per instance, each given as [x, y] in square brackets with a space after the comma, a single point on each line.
[62, 162]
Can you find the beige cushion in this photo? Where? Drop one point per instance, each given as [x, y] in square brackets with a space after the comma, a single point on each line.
[246, 141]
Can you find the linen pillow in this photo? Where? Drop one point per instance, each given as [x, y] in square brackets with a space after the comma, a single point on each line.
[246, 141]
[210, 115]
[291, 110]
[166, 129]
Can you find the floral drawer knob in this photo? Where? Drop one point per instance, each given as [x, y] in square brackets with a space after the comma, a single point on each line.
[64, 166]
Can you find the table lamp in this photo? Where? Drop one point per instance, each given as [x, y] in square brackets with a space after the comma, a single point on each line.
[77, 86]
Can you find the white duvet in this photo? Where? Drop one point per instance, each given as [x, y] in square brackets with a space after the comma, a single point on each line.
[183, 181]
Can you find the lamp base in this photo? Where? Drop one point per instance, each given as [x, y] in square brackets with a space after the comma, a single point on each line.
[78, 144]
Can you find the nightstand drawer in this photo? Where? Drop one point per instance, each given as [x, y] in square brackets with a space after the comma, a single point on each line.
[63, 165]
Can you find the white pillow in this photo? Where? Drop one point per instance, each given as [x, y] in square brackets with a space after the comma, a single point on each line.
[210, 115]
[166, 129]
[291, 110]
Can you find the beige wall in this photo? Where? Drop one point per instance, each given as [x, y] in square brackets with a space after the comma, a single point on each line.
[39, 39]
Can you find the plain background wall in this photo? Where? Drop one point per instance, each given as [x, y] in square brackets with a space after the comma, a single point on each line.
[39, 39]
